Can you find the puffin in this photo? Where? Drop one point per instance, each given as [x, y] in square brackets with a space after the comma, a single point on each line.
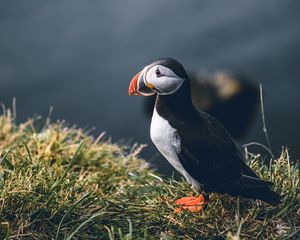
[195, 143]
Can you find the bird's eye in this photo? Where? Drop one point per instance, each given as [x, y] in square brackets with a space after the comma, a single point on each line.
[158, 73]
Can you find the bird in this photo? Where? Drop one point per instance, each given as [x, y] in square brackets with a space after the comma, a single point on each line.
[195, 143]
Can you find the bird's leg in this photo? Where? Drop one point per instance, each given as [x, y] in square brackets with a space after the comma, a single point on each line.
[192, 204]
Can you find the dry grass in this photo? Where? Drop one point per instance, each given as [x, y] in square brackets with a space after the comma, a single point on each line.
[58, 182]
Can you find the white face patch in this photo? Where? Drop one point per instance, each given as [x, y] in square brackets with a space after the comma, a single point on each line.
[162, 79]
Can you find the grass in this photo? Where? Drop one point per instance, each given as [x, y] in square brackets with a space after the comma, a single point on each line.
[58, 182]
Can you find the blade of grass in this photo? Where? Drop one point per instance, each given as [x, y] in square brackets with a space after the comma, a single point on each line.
[69, 211]
[73, 160]
[70, 236]
[14, 110]
[264, 120]
[5, 160]
[28, 151]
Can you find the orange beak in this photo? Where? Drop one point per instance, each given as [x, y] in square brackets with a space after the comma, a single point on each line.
[133, 86]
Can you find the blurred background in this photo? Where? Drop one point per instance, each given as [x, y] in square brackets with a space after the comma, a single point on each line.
[79, 57]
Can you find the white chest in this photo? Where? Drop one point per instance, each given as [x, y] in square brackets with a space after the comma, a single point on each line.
[167, 141]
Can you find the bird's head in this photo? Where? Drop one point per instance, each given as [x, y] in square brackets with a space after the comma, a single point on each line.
[164, 76]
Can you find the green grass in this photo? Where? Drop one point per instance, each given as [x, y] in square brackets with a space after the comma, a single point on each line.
[58, 182]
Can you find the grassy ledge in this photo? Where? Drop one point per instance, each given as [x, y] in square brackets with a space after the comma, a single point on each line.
[58, 182]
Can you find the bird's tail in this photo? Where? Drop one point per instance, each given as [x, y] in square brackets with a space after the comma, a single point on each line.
[264, 194]
[251, 187]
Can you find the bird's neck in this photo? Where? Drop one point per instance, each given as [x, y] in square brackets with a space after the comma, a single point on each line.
[176, 104]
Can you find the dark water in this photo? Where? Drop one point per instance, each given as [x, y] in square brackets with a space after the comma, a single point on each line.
[79, 56]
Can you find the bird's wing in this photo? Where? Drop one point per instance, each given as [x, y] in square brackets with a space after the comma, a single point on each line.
[208, 152]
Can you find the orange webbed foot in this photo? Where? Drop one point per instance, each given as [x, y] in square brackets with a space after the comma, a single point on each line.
[192, 204]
